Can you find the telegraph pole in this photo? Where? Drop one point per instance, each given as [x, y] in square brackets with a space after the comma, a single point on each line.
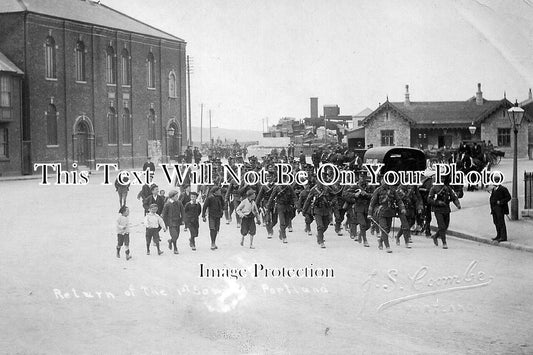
[189, 92]
[201, 124]
[210, 137]
[325, 128]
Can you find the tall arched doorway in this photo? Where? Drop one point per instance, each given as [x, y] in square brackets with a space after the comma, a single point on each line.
[83, 142]
[82, 148]
[174, 139]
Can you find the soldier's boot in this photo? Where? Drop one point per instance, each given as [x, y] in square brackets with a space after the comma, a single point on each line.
[444, 245]
[380, 244]
[387, 245]
[397, 238]
[407, 238]
[308, 229]
[363, 236]
[435, 238]
[353, 231]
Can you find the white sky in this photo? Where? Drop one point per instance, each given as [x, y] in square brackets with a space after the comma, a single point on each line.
[266, 58]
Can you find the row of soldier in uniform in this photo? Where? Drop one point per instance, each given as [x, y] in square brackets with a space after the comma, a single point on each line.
[363, 206]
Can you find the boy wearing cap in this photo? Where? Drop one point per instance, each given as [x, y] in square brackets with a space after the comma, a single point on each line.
[192, 212]
[153, 223]
[247, 210]
[173, 216]
[215, 204]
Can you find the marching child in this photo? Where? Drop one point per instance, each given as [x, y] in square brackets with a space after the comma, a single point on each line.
[247, 211]
[123, 231]
[152, 222]
[192, 212]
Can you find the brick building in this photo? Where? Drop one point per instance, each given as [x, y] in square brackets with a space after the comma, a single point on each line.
[10, 115]
[437, 124]
[98, 86]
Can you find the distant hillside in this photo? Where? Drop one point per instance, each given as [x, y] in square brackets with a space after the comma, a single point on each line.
[225, 133]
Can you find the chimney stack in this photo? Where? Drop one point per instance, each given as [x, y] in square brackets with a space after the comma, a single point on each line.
[314, 107]
[479, 95]
[407, 102]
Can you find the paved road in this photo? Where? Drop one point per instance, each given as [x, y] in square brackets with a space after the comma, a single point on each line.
[58, 263]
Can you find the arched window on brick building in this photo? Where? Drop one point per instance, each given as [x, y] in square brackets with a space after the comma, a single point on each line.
[80, 61]
[126, 67]
[172, 92]
[110, 66]
[112, 129]
[126, 126]
[50, 58]
[51, 125]
[150, 62]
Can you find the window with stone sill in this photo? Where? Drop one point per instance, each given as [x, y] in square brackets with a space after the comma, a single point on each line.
[51, 125]
[80, 62]
[50, 58]
[504, 137]
[112, 126]
[387, 138]
[110, 66]
[6, 89]
[4, 143]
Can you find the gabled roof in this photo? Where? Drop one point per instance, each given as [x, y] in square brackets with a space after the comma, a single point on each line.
[387, 105]
[86, 11]
[367, 111]
[7, 66]
[449, 113]
[528, 111]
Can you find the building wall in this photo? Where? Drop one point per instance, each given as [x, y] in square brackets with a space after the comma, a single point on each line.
[93, 97]
[402, 130]
[13, 163]
[489, 131]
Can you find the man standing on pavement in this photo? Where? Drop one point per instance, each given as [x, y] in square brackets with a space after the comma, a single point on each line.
[149, 165]
[197, 155]
[499, 207]
[302, 160]
[188, 155]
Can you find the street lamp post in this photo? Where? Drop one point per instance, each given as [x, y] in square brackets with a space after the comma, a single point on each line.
[516, 114]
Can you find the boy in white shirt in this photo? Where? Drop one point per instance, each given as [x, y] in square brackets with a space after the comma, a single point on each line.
[152, 222]
[247, 210]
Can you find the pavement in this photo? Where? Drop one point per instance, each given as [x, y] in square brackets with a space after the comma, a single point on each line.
[473, 222]
[64, 289]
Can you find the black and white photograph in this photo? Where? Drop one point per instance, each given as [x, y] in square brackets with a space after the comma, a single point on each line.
[266, 177]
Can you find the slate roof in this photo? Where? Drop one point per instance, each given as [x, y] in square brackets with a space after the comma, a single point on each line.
[439, 113]
[528, 110]
[7, 66]
[86, 11]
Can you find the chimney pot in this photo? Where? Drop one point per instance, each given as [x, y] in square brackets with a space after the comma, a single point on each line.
[407, 101]
[530, 95]
[479, 95]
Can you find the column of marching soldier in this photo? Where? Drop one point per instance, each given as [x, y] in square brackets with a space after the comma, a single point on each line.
[359, 207]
